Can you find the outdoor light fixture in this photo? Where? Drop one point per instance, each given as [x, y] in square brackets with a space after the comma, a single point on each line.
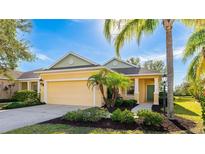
[41, 82]
[164, 79]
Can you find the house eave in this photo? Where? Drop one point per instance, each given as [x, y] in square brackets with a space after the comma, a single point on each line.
[28, 79]
[69, 70]
[151, 74]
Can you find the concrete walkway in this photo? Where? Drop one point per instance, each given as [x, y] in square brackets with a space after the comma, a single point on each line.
[147, 106]
[17, 118]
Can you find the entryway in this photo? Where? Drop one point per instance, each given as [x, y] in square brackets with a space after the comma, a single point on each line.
[142, 106]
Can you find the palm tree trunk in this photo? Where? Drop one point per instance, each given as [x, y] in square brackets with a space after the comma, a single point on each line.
[103, 94]
[170, 74]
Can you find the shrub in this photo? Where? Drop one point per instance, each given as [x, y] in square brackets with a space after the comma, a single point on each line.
[119, 102]
[14, 105]
[125, 103]
[23, 95]
[150, 118]
[116, 115]
[32, 101]
[129, 102]
[89, 115]
[125, 116]
[27, 103]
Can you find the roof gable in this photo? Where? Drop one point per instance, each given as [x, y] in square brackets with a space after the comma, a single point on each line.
[72, 60]
[118, 63]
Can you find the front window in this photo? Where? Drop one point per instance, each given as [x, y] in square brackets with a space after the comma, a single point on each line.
[24, 86]
[34, 86]
[130, 90]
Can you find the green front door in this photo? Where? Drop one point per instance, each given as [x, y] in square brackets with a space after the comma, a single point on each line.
[150, 93]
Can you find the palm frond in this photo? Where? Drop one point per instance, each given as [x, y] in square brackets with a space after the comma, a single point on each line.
[192, 73]
[134, 29]
[201, 66]
[107, 29]
[195, 23]
[195, 42]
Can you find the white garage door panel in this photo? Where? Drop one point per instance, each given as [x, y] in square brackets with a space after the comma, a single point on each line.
[69, 93]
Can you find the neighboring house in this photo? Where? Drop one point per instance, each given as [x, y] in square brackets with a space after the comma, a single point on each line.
[65, 82]
[8, 85]
[29, 81]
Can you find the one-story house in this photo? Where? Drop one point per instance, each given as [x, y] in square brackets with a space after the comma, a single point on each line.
[65, 81]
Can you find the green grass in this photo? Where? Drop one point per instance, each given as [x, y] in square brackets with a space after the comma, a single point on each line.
[185, 107]
[2, 104]
[188, 108]
[67, 129]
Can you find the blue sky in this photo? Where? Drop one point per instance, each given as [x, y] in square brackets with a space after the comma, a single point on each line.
[51, 39]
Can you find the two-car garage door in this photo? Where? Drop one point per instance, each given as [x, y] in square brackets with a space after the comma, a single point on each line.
[70, 93]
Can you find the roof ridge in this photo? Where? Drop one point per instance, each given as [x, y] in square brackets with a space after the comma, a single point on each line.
[121, 60]
[74, 54]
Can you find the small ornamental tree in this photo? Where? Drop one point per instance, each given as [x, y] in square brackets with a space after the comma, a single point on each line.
[13, 46]
[114, 82]
[111, 80]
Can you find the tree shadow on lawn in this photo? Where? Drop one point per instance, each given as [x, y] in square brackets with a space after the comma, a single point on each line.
[181, 110]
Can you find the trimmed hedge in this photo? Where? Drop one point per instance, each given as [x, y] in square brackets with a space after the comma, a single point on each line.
[23, 95]
[150, 118]
[88, 115]
[125, 116]
[125, 103]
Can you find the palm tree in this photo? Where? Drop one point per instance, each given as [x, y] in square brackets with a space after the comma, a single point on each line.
[195, 46]
[99, 79]
[111, 80]
[136, 28]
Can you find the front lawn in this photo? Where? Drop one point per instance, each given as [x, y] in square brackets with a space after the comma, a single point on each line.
[188, 108]
[185, 108]
[67, 129]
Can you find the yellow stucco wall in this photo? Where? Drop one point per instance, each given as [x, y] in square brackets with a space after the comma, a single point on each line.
[67, 75]
[72, 92]
[59, 92]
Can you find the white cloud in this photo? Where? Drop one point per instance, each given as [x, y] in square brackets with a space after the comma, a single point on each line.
[40, 55]
[177, 53]
[43, 57]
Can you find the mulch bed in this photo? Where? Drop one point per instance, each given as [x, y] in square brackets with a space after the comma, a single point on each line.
[169, 125]
[106, 123]
[177, 124]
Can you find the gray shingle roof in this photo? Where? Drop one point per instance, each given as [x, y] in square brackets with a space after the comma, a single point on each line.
[29, 74]
[134, 70]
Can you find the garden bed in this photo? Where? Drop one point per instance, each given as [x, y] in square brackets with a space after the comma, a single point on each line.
[106, 123]
[166, 127]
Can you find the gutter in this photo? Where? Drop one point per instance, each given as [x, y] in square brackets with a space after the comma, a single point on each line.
[69, 70]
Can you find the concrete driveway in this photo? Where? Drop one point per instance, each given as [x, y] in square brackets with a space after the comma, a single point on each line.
[17, 118]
